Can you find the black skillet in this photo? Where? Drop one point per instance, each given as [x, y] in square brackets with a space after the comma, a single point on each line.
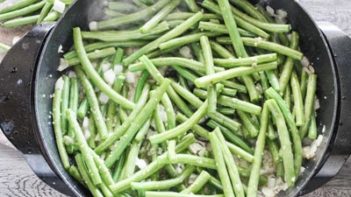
[28, 74]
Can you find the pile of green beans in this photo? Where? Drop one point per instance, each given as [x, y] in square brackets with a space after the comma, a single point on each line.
[180, 98]
[30, 12]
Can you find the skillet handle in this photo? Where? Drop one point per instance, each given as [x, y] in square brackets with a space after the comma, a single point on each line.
[340, 147]
[17, 115]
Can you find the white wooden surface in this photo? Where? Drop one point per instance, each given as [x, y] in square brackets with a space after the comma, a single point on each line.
[17, 179]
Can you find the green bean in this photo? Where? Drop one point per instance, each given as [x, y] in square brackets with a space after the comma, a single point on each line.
[182, 128]
[251, 128]
[93, 104]
[45, 11]
[165, 61]
[198, 52]
[65, 103]
[167, 36]
[207, 53]
[226, 111]
[231, 165]
[192, 5]
[111, 108]
[225, 121]
[287, 98]
[22, 12]
[84, 148]
[138, 122]
[17, 5]
[94, 76]
[231, 25]
[289, 64]
[198, 184]
[249, 8]
[57, 115]
[104, 171]
[126, 35]
[84, 171]
[284, 138]
[186, 15]
[220, 50]
[174, 194]
[98, 54]
[101, 45]
[73, 171]
[260, 144]
[143, 131]
[159, 16]
[4, 48]
[312, 130]
[249, 61]
[220, 165]
[171, 116]
[234, 85]
[196, 128]
[112, 13]
[140, 85]
[216, 183]
[73, 105]
[164, 184]
[271, 93]
[309, 102]
[303, 82]
[239, 152]
[17, 22]
[270, 46]
[129, 165]
[193, 160]
[118, 168]
[152, 167]
[132, 18]
[218, 28]
[298, 102]
[51, 17]
[241, 23]
[271, 27]
[184, 40]
[83, 109]
[264, 80]
[232, 73]
[273, 79]
[92, 132]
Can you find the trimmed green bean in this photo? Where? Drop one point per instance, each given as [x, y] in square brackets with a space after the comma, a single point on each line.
[192, 5]
[232, 73]
[270, 46]
[220, 165]
[153, 167]
[231, 165]
[247, 123]
[129, 165]
[198, 184]
[132, 18]
[93, 104]
[164, 184]
[22, 12]
[57, 112]
[17, 5]
[298, 102]
[92, 169]
[260, 144]
[17, 22]
[83, 109]
[138, 122]
[44, 11]
[174, 194]
[94, 76]
[182, 128]
[249, 61]
[159, 16]
[309, 102]
[98, 54]
[171, 116]
[273, 79]
[218, 28]
[220, 50]
[312, 130]
[169, 35]
[193, 160]
[65, 103]
[284, 138]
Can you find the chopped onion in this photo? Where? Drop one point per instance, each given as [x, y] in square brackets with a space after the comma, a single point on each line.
[59, 6]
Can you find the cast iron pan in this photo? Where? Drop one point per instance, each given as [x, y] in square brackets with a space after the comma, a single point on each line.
[29, 71]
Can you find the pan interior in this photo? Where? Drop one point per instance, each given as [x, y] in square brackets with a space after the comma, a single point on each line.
[82, 12]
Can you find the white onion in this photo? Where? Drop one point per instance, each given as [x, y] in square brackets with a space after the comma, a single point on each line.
[109, 76]
[309, 152]
[59, 6]
[141, 163]
[63, 65]
[93, 25]
[59, 84]
[103, 98]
